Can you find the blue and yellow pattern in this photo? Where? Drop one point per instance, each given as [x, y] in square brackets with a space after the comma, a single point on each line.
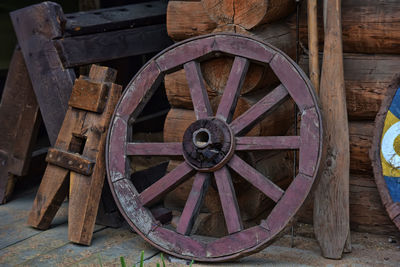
[390, 148]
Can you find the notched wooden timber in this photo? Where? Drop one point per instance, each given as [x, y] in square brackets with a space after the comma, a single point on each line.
[71, 161]
[88, 95]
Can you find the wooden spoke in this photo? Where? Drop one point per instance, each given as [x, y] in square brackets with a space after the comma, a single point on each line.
[228, 200]
[258, 180]
[233, 86]
[154, 149]
[267, 142]
[198, 91]
[193, 203]
[167, 183]
[256, 113]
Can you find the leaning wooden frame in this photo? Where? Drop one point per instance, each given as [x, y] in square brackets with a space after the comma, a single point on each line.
[51, 45]
[212, 147]
[392, 207]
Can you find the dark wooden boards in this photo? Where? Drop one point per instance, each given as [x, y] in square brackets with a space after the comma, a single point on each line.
[19, 122]
[53, 43]
[116, 18]
[98, 47]
[36, 26]
[79, 154]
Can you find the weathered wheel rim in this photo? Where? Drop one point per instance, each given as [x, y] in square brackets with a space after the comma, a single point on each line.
[239, 242]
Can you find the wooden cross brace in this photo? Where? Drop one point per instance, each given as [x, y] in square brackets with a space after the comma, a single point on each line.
[79, 154]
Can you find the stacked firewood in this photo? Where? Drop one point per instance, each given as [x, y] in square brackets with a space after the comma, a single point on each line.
[265, 20]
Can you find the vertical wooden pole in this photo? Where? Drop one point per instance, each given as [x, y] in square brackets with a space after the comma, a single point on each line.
[313, 43]
[331, 206]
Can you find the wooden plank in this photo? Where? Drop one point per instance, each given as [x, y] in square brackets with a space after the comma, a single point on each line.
[267, 142]
[193, 203]
[35, 27]
[104, 46]
[255, 178]
[198, 92]
[331, 204]
[19, 122]
[116, 18]
[70, 161]
[233, 87]
[257, 112]
[154, 149]
[229, 203]
[87, 95]
[153, 193]
[85, 192]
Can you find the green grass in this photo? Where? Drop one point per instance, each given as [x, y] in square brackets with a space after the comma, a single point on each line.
[123, 263]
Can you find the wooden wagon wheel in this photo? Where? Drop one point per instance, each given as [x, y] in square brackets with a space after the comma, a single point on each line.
[386, 168]
[209, 148]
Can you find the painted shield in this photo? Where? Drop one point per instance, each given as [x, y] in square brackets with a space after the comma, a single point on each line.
[385, 151]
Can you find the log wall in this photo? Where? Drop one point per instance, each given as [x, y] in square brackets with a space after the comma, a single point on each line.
[371, 40]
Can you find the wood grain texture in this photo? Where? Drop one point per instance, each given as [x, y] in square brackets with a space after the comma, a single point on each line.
[85, 192]
[19, 122]
[36, 27]
[368, 26]
[366, 79]
[331, 203]
[187, 19]
[78, 50]
[247, 14]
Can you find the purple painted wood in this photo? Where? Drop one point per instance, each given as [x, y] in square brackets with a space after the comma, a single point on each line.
[154, 149]
[170, 181]
[310, 139]
[257, 112]
[228, 199]
[267, 142]
[254, 177]
[139, 91]
[293, 81]
[239, 242]
[135, 214]
[182, 245]
[185, 52]
[117, 163]
[233, 86]
[247, 239]
[289, 204]
[198, 91]
[193, 203]
[244, 47]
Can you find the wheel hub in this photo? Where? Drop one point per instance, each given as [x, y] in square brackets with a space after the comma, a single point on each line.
[208, 144]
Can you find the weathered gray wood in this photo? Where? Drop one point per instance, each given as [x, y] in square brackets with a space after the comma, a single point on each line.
[36, 27]
[331, 203]
[103, 46]
[116, 18]
[19, 123]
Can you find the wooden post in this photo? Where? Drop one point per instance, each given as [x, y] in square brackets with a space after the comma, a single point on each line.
[331, 205]
[313, 43]
[79, 153]
[36, 26]
[19, 123]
